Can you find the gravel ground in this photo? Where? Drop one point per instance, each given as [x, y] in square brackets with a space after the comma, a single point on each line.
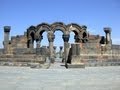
[90, 78]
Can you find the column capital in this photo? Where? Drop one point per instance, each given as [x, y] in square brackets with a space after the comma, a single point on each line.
[39, 38]
[66, 37]
[7, 28]
[61, 47]
[51, 37]
[107, 30]
[77, 38]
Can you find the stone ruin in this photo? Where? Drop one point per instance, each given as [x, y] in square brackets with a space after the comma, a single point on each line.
[88, 50]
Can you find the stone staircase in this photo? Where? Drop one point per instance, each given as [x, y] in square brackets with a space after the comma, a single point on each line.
[21, 59]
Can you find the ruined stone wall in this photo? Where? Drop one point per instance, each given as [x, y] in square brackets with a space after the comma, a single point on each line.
[93, 53]
[19, 41]
[116, 52]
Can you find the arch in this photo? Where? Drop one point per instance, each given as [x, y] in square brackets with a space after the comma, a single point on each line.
[59, 26]
[31, 38]
[31, 30]
[41, 28]
[73, 27]
[32, 35]
[58, 37]
[84, 27]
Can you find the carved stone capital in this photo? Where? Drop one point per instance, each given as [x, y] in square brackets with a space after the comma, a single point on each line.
[66, 38]
[7, 28]
[39, 38]
[77, 38]
[51, 37]
[61, 47]
[107, 30]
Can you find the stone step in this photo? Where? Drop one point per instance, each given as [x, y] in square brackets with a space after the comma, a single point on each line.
[76, 65]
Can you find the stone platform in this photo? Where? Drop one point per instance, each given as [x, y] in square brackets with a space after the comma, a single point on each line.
[90, 78]
[82, 65]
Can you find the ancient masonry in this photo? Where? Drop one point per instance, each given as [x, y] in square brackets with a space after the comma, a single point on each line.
[90, 50]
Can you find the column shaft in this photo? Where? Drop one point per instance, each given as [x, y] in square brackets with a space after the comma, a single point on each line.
[51, 37]
[31, 44]
[66, 39]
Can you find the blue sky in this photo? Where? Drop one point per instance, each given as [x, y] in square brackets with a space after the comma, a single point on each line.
[95, 14]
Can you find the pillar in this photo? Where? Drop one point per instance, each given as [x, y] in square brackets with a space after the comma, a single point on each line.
[31, 43]
[108, 34]
[6, 37]
[61, 47]
[77, 38]
[66, 45]
[51, 37]
[54, 51]
[38, 41]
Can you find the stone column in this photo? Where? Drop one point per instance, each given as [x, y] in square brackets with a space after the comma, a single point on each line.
[66, 45]
[51, 37]
[55, 51]
[30, 43]
[6, 37]
[61, 47]
[77, 38]
[38, 41]
[108, 34]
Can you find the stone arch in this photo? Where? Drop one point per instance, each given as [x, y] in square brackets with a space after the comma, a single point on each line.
[31, 30]
[75, 28]
[59, 26]
[77, 31]
[31, 36]
[42, 27]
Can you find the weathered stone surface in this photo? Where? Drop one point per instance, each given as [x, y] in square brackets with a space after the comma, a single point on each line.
[82, 65]
[89, 49]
